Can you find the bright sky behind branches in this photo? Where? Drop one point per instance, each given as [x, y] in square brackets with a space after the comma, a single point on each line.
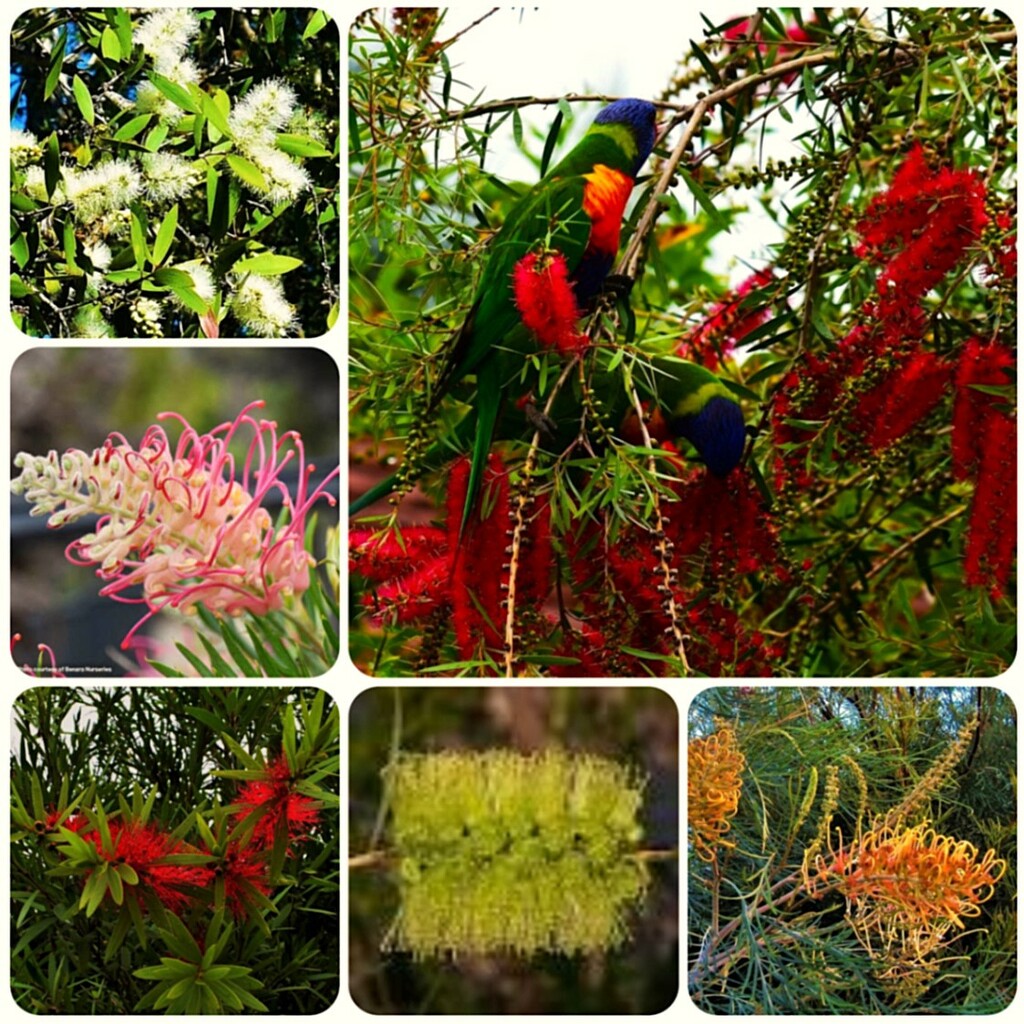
[627, 50]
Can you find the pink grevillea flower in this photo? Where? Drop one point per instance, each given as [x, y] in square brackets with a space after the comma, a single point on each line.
[41, 667]
[181, 522]
[546, 301]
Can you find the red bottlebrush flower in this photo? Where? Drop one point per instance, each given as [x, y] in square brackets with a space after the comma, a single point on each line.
[898, 404]
[921, 226]
[477, 569]
[727, 324]
[726, 520]
[143, 847]
[413, 571]
[992, 528]
[244, 869]
[274, 799]
[546, 301]
[1006, 250]
[988, 365]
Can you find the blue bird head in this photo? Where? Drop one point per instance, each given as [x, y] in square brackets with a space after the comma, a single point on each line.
[639, 116]
[716, 431]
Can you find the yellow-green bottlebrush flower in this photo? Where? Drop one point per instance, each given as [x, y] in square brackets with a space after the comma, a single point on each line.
[501, 852]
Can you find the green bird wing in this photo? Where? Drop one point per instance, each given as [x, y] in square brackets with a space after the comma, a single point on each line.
[550, 216]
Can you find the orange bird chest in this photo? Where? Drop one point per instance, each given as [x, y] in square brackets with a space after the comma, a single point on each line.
[604, 200]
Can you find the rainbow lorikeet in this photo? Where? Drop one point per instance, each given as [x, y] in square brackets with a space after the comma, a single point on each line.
[575, 210]
[683, 400]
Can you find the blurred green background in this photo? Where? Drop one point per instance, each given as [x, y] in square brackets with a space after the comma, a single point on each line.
[638, 726]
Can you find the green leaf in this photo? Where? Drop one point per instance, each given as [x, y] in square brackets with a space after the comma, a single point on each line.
[110, 45]
[301, 145]
[20, 250]
[51, 165]
[267, 264]
[177, 94]
[56, 64]
[248, 172]
[332, 316]
[155, 139]
[315, 24]
[165, 236]
[704, 200]
[216, 116]
[139, 247]
[18, 287]
[132, 128]
[122, 23]
[549, 143]
[180, 282]
[83, 99]
[70, 247]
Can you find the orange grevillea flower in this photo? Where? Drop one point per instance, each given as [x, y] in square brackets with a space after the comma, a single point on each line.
[713, 790]
[918, 876]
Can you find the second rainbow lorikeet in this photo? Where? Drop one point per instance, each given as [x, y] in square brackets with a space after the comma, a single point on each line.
[575, 210]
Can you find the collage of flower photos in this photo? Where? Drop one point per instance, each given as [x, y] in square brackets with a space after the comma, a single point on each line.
[174, 426]
[678, 385]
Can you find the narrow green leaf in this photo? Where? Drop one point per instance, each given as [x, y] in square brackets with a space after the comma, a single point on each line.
[110, 45]
[51, 165]
[70, 247]
[267, 264]
[247, 171]
[215, 117]
[301, 145]
[704, 200]
[83, 99]
[332, 316]
[165, 236]
[155, 139]
[177, 94]
[132, 128]
[315, 24]
[549, 143]
[56, 64]
[139, 247]
[122, 23]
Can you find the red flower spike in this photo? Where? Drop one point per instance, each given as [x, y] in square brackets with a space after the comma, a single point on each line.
[142, 847]
[476, 572]
[921, 225]
[383, 556]
[546, 301]
[274, 799]
[242, 869]
[986, 365]
[726, 325]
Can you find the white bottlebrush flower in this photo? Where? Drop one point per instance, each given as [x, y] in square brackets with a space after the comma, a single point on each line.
[35, 185]
[166, 33]
[99, 253]
[202, 281]
[265, 109]
[169, 176]
[285, 178]
[89, 323]
[102, 189]
[260, 305]
[25, 148]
